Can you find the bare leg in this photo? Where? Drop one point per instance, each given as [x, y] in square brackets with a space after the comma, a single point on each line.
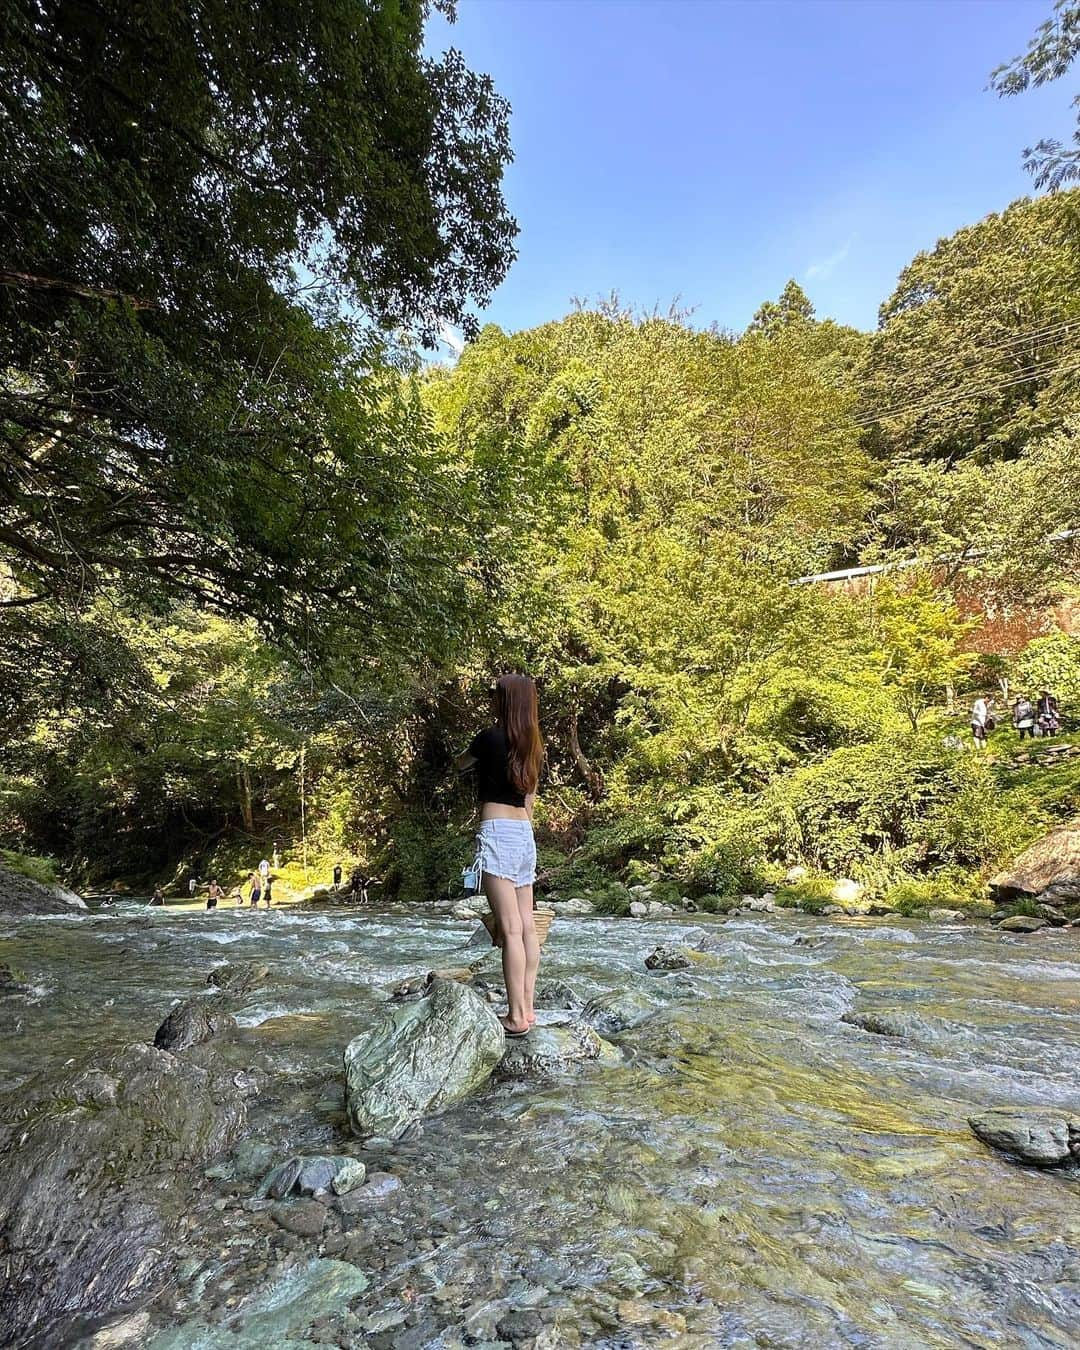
[503, 901]
[532, 947]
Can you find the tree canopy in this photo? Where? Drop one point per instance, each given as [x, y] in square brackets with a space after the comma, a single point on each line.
[220, 220]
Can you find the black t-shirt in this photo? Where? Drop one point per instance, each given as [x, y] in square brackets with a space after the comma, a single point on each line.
[491, 752]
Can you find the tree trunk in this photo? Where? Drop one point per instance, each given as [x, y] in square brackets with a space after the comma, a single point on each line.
[243, 782]
[594, 779]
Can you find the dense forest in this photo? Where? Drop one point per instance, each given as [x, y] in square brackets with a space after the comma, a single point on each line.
[260, 556]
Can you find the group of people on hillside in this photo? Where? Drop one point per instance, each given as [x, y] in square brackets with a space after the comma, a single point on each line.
[1041, 718]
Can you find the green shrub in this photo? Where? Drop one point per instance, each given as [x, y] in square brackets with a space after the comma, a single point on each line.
[41, 870]
[612, 899]
[809, 893]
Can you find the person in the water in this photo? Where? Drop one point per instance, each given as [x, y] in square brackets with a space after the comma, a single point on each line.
[255, 881]
[158, 898]
[213, 894]
[507, 758]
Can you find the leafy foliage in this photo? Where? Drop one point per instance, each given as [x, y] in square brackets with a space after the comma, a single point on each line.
[1049, 56]
[195, 306]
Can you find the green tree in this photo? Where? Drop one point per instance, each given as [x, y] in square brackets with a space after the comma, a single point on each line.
[920, 634]
[216, 217]
[975, 351]
[1049, 56]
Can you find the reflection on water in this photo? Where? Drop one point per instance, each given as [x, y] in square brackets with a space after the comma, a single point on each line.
[755, 1171]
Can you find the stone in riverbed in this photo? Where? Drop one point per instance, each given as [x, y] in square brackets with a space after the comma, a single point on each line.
[241, 978]
[193, 1021]
[304, 1218]
[888, 1022]
[310, 1175]
[1044, 1138]
[617, 1009]
[1022, 923]
[550, 1050]
[639, 909]
[556, 994]
[671, 956]
[95, 1174]
[277, 1316]
[1053, 860]
[420, 1058]
[947, 915]
[379, 1190]
[577, 906]
[519, 1325]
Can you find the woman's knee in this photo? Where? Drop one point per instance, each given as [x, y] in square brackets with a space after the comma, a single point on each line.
[511, 926]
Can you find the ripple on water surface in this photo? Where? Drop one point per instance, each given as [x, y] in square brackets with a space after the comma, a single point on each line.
[754, 1168]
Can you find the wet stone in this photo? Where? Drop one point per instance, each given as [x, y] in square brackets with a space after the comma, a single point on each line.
[521, 1324]
[380, 1189]
[304, 1218]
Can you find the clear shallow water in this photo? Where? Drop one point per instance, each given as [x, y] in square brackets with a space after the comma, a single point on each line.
[754, 1167]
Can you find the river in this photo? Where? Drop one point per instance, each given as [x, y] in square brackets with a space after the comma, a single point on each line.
[755, 1172]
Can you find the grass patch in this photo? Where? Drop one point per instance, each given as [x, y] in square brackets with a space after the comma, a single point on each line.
[41, 870]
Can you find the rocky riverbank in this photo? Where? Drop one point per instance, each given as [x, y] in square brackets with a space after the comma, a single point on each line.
[368, 1163]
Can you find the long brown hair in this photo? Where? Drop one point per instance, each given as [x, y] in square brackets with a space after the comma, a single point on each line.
[516, 705]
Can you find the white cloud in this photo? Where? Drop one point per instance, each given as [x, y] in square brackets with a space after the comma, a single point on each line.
[452, 338]
[825, 267]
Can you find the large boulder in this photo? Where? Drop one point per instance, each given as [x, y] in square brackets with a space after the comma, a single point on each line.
[420, 1058]
[22, 895]
[551, 1050]
[1023, 923]
[193, 1021]
[1044, 1138]
[1052, 861]
[617, 1009]
[278, 1315]
[95, 1173]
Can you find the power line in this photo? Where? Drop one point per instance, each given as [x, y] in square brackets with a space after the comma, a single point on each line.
[927, 403]
[964, 364]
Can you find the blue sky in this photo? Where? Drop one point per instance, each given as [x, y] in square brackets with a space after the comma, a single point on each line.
[710, 149]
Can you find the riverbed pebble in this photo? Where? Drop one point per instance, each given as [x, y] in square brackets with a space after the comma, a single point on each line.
[304, 1218]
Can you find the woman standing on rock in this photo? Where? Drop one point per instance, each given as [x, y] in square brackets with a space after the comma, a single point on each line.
[507, 758]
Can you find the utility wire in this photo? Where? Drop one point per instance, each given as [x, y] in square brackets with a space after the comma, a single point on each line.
[927, 403]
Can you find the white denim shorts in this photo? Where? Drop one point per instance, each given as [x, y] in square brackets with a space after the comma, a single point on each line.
[507, 849]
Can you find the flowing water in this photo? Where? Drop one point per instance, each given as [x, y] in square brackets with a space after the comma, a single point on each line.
[755, 1172]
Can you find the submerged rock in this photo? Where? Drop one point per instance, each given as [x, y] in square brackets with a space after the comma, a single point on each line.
[277, 1316]
[551, 1050]
[671, 956]
[379, 1189]
[304, 1218]
[897, 1023]
[10, 982]
[1044, 1138]
[1023, 923]
[241, 978]
[95, 1171]
[23, 895]
[311, 1175]
[420, 1058]
[556, 994]
[617, 1009]
[194, 1021]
